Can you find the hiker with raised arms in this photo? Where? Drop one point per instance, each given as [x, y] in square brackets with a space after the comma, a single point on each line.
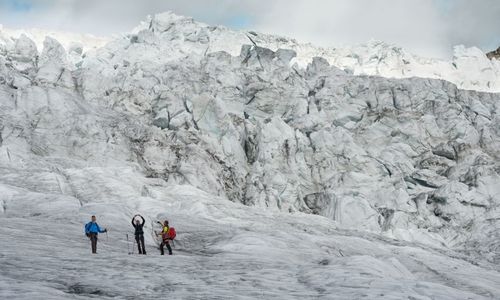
[139, 232]
[92, 230]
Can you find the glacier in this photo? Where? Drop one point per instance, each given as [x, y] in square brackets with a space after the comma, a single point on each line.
[469, 68]
[289, 170]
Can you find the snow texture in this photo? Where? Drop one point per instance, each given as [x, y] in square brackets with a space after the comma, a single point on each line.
[285, 176]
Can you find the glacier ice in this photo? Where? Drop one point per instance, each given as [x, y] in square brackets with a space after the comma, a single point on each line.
[469, 68]
[241, 149]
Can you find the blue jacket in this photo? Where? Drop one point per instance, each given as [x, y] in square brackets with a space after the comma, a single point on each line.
[92, 227]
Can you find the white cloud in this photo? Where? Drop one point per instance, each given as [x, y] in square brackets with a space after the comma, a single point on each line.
[475, 23]
[413, 24]
[427, 27]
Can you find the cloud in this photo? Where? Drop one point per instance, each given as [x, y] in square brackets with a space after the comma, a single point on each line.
[417, 25]
[426, 27]
[475, 23]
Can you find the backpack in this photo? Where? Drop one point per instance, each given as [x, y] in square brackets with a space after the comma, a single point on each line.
[170, 235]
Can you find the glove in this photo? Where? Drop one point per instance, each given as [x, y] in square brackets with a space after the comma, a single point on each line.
[87, 234]
[105, 230]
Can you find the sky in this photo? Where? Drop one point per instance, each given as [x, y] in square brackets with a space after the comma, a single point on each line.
[425, 27]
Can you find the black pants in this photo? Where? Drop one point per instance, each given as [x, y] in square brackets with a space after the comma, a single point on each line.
[93, 241]
[163, 244]
[139, 238]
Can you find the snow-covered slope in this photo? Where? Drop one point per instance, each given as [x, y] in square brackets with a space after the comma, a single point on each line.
[223, 251]
[234, 149]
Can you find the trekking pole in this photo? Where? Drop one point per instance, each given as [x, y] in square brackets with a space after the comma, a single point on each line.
[128, 244]
[107, 236]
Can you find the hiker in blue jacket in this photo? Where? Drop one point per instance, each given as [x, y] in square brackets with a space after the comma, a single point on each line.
[92, 229]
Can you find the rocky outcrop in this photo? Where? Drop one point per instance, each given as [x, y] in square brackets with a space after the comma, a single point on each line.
[494, 54]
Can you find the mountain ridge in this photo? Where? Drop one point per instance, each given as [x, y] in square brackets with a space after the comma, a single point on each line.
[468, 69]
